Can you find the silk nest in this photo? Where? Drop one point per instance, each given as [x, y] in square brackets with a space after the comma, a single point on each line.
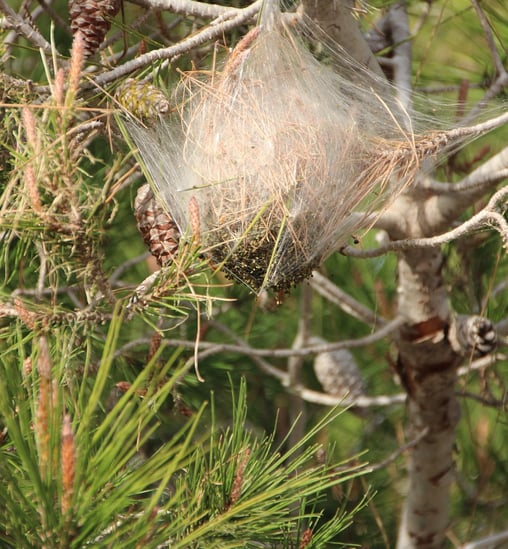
[275, 161]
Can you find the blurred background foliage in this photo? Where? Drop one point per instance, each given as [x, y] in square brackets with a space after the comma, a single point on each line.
[449, 48]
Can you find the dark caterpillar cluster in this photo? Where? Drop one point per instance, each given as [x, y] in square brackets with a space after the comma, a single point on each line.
[256, 260]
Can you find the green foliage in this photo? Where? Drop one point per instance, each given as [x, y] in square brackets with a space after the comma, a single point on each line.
[98, 481]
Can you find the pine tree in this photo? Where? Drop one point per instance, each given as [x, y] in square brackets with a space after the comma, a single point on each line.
[148, 397]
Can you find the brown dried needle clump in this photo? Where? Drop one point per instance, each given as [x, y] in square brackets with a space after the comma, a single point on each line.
[277, 151]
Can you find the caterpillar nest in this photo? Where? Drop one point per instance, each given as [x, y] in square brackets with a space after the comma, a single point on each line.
[273, 155]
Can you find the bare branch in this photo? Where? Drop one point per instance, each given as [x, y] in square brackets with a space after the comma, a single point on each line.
[480, 128]
[262, 364]
[398, 24]
[211, 32]
[22, 27]
[387, 330]
[186, 7]
[297, 409]
[335, 295]
[494, 90]
[502, 75]
[309, 395]
[488, 217]
[326, 399]
[483, 178]
[337, 22]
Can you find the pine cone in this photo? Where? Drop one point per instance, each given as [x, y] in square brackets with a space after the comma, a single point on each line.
[93, 19]
[159, 231]
[473, 334]
[145, 101]
[338, 373]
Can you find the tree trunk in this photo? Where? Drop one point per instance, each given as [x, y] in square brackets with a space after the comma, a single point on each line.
[427, 367]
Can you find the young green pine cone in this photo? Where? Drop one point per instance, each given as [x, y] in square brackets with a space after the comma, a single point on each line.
[143, 100]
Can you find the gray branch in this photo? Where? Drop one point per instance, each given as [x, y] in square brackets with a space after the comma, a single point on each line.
[23, 27]
[490, 216]
[334, 294]
[212, 32]
[186, 7]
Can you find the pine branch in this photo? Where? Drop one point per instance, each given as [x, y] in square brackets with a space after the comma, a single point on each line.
[480, 180]
[489, 216]
[335, 295]
[238, 17]
[187, 7]
[23, 28]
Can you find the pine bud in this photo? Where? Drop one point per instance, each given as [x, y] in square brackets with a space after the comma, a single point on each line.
[68, 463]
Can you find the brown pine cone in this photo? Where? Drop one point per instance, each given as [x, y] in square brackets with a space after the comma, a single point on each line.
[93, 19]
[159, 231]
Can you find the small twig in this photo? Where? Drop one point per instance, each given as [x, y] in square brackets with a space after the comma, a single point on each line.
[43, 268]
[489, 216]
[22, 27]
[499, 288]
[126, 265]
[488, 542]
[480, 363]
[455, 89]
[60, 22]
[394, 455]
[498, 404]
[502, 327]
[9, 40]
[262, 364]
[334, 294]
[498, 62]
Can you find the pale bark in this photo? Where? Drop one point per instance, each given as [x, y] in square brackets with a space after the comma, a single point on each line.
[427, 367]
[427, 363]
